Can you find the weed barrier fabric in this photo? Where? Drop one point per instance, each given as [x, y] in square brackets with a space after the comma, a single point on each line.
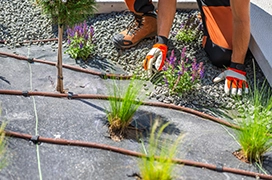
[85, 120]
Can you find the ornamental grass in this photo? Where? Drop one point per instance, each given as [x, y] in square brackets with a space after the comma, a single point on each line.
[255, 120]
[123, 105]
[158, 161]
[3, 148]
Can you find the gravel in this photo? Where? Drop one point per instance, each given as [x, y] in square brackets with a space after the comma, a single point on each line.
[20, 20]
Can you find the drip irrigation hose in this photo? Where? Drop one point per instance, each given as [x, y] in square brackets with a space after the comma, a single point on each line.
[41, 139]
[75, 68]
[71, 95]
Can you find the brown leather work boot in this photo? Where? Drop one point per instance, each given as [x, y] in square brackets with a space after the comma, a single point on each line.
[141, 27]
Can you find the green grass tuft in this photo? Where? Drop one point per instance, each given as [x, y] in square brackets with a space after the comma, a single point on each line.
[123, 105]
[255, 122]
[158, 164]
[3, 158]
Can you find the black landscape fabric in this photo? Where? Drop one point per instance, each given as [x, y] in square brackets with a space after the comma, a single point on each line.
[85, 120]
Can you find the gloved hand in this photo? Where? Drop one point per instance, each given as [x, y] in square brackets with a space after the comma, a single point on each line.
[154, 60]
[235, 79]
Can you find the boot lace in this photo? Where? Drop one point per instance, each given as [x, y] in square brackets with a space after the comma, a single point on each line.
[135, 25]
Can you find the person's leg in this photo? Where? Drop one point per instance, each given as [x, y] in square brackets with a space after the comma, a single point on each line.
[140, 6]
[217, 23]
[143, 26]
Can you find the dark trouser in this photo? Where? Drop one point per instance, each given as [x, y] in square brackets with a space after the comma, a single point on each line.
[217, 23]
[140, 6]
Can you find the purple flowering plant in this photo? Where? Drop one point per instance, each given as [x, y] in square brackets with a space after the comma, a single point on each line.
[190, 30]
[182, 76]
[80, 41]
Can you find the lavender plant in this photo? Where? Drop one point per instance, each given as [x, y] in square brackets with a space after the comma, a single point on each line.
[80, 41]
[190, 30]
[181, 77]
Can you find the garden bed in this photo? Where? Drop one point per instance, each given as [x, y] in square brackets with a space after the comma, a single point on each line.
[205, 141]
[85, 120]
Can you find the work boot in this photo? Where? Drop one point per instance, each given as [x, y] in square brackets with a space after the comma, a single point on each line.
[143, 26]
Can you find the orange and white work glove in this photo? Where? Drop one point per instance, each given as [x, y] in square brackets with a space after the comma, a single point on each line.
[235, 79]
[154, 60]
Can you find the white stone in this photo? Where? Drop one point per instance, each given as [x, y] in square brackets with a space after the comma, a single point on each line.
[261, 36]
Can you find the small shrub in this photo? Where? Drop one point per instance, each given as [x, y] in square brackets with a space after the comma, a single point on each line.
[181, 77]
[80, 41]
[190, 30]
[186, 35]
[65, 13]
[152, 168]
[123, 105]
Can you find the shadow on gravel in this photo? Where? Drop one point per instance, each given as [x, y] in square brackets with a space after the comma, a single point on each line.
[3, 31]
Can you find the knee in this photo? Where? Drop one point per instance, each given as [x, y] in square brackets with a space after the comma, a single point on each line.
[220, 59]
[218, 56]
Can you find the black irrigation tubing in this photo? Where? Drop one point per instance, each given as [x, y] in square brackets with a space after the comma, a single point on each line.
[75, 68]
[40, 139]
[71, 95]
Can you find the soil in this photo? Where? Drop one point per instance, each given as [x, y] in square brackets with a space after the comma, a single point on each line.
[239, 154]
[129, 133]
